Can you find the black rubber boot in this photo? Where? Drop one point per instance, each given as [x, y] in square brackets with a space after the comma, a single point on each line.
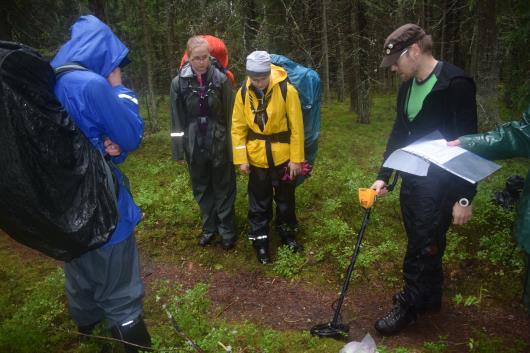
[206, 239]
[287, 234]
[133, 332]
[262, 250]
[88, 329]
[399, 317]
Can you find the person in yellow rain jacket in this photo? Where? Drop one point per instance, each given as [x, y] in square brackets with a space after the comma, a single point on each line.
[268, 145]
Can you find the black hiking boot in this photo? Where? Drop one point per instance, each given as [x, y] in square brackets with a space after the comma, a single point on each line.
[229, 243]
[262, 250]
[206, 239]
[430, 303]
[399, 317]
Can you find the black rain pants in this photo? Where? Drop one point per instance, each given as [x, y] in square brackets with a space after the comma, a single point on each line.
[426, 206]
[214, 189]
[261, 193]
[105, 283]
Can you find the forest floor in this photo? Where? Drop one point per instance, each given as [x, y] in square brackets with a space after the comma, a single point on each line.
[283, 304]
[270, 309]
[298, 305]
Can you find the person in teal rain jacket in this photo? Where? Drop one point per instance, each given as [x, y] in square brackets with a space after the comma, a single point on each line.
[508, 141]
[105, 283]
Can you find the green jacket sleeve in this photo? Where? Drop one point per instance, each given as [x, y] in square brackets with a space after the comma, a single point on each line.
[508, 140]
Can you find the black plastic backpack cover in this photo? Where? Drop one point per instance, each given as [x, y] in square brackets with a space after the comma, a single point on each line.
[57, 193]
[509, 197]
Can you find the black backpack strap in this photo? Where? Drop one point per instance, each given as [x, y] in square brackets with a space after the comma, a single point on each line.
[68, 67]
[283, 88]
[243, 91]
[114, 186]
[218, 65]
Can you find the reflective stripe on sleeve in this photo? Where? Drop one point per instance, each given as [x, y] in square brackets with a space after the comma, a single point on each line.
[258, 237]
[177, 134]
[126, 96]
[240, 147]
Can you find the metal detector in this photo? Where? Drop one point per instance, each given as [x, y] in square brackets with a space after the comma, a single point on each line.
[335, 328]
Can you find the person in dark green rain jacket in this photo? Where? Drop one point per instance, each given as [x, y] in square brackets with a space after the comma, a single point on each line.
[201, 113]
[507, 141]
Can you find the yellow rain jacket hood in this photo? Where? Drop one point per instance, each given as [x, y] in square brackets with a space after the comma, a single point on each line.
[283, 115]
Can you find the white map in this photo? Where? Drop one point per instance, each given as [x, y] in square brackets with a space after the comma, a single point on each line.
[417, 157]
[435, 151]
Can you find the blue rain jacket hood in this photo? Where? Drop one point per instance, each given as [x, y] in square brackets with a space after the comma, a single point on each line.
[98, 109]
[93, 45]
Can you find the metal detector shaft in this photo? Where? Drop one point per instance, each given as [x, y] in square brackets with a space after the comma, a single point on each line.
[346, 283]
[335, 328]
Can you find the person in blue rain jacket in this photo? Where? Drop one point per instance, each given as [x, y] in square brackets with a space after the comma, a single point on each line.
[105, 283]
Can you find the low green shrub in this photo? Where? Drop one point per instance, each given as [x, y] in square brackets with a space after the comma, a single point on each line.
[34, 323]
[288, 264]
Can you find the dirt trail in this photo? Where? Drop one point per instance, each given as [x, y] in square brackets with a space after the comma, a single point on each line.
[286, 305]
[298, 305]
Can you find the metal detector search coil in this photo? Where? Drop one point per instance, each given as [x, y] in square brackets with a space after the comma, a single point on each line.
[367, 197]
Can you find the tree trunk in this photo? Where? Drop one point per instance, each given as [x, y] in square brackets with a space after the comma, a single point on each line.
[308, 52]
[354, 60]
[443, 31]
[450, 32]
[339, 51]
[325, 52]
[423, 14]
[250, 29]
[264, 30]
[171, 43]
[146, 36]
[485, 63]
[98, 8]
[363, 96]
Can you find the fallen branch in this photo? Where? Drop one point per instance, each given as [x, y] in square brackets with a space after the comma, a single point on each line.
[225, 308]
[115, 340]
[179, 331]
[292, 321]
